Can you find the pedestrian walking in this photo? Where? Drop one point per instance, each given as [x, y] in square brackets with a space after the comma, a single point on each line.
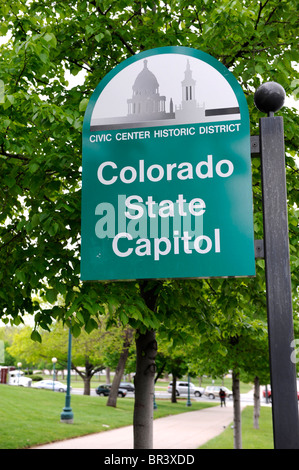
[222, 396]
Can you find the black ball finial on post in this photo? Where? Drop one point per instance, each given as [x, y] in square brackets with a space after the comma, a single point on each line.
[269, 98]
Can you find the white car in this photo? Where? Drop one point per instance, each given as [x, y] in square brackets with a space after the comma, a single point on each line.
[182, 389]
[50, 385]
[212, 391]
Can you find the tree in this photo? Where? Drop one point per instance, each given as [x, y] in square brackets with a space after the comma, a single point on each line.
[40, 154]
[119, 371]
[242, 348]
[175, 358]
[22, 348]
[88, 350]
[6, 337]
[41, 117]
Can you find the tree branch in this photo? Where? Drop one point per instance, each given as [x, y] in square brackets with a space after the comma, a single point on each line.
[116, 33]
[11, 155]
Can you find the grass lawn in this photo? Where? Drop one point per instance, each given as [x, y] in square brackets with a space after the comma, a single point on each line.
[251, 438]
[29, 417]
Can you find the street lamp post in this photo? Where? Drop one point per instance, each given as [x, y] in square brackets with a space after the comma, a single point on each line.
[54, 360]
[67, 415]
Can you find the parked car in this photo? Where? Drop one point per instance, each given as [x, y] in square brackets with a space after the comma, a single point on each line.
[104, 390]
[182, 389]
[48, 385]
[127, 386]
[212, 391]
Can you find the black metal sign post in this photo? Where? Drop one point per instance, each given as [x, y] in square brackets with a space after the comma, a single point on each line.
[269, 98]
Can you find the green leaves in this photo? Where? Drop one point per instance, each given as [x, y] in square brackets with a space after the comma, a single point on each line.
[51, 295]
[83, 104]
[50, 39]
[9, 101]
[40, 161]
[76, 330]
[91, 325]
[35, 336]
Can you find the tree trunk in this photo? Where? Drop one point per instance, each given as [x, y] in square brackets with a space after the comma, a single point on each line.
[146, 350]
[160, 372]
[237, 412]
[120, 368]
[256, 403]
[86, 381]
[107, 375]
[86, 376]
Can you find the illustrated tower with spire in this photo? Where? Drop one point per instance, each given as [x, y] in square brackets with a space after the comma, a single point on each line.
[188, 87]
[189, 110]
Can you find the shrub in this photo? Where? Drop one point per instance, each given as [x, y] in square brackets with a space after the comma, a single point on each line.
[35, 378]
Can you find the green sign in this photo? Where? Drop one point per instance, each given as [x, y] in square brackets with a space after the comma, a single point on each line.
[166, 185]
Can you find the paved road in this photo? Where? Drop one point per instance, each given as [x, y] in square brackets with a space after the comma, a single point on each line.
[246, 398]
[184, 431]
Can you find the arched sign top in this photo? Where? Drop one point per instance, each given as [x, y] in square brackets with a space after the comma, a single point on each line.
[166, 86]
[166, 186]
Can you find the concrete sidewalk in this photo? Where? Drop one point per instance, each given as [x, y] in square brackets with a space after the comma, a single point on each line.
[184, 431]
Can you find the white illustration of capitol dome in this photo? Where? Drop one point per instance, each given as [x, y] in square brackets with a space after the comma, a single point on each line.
[146, 101]
[146, 82]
